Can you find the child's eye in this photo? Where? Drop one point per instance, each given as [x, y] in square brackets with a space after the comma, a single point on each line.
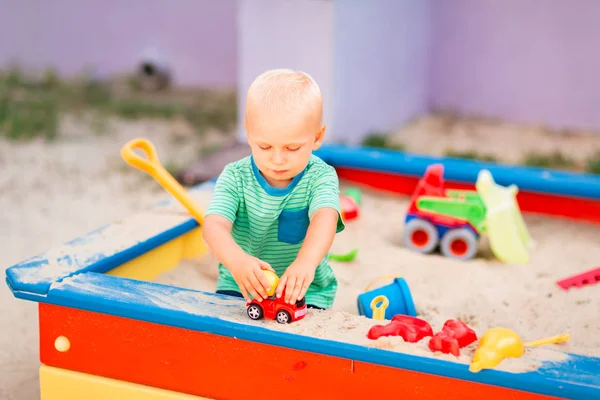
[293, 148]
[265, 147]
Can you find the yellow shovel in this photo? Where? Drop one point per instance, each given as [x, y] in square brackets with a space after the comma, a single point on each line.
[499, 343]
[152, 166]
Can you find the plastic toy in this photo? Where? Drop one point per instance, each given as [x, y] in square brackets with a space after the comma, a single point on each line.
[273, 280]
[378, 306]
[455, 219]
[350, 203]
[344, 257]
[453, 336]
[398, 295]
[355, 194]
[349, 208]
[152, 166]
[499, 343]
[276, 308]
[411, 329]
[586, 278]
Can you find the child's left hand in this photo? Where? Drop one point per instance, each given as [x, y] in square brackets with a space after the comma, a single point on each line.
[296, 280]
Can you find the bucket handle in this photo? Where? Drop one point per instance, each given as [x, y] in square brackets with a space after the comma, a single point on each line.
[381, 277]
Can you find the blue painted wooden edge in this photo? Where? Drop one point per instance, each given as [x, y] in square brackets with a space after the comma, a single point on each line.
[34, 275]
[578, 377]
[526, 178]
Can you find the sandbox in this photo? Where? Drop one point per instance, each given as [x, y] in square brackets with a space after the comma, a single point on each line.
[105, 333]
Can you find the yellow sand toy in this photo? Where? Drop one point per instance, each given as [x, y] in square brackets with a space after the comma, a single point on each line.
[506, 228]
[379, 304]
[273, 280]
[499, 343]
[455, 219]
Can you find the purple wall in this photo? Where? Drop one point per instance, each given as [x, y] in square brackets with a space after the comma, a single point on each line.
[380, 65]
[198, 37]
[274, 34]
[532, 61]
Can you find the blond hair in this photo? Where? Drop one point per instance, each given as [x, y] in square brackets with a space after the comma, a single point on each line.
[285, 92]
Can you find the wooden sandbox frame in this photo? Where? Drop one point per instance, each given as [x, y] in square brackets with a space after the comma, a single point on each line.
[106, 332]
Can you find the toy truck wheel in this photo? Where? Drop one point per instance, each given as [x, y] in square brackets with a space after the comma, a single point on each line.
[254, 311]
[420, 235]
[459, 243]
[283, 317]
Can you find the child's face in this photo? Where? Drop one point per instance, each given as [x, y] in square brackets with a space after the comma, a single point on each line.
[282, 147]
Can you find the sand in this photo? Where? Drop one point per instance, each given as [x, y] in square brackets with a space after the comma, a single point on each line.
[507, 142]
[53, 193]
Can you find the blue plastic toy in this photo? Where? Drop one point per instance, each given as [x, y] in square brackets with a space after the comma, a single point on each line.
[398, 295]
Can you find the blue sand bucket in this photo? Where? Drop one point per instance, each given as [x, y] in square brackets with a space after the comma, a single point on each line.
[398, 295]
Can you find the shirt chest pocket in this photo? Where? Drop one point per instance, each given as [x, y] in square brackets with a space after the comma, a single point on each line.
[292, 225]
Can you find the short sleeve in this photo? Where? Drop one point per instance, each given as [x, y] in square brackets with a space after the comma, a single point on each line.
[225, 200]
[325, 192]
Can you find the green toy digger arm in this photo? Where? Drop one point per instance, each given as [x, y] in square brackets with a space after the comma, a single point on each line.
[464, 194]
[471, 210]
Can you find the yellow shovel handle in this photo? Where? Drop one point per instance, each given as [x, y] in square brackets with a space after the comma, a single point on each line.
[152, 166]
[550, 340]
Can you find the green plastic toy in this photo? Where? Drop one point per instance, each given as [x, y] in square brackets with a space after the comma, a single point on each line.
[453, 220]
[344, 257]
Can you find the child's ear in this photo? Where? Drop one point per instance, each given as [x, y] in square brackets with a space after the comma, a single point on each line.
[319, 137]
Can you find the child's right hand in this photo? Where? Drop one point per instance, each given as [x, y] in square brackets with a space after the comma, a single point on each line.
[250, 278]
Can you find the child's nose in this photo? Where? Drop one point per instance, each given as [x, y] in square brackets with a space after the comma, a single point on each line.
[278, 157]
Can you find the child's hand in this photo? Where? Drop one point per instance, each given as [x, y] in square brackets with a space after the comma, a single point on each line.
[296, 280]
[250, 278]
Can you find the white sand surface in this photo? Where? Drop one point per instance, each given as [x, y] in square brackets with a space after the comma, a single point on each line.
[52, 193]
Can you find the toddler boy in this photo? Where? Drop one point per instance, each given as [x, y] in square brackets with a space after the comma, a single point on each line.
[278, 209]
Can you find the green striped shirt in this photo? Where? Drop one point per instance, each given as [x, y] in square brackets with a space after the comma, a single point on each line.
[270, 223]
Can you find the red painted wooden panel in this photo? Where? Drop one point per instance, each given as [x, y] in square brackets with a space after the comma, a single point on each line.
[403, 384]
[226, 368]
[554, 205]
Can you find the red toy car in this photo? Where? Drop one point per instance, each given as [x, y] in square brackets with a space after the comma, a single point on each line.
[277, 309]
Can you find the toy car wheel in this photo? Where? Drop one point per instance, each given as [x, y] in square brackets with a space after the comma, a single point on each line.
[283, 317]
[420, 235]
[459, 243]
[254, 311]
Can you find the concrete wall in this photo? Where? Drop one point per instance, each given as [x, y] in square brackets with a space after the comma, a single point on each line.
[287, 34]
[197, 37]
[381, 57]
[533, 61]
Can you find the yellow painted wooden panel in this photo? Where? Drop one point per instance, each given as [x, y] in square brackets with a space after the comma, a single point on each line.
[150, 265]
[62, 384]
